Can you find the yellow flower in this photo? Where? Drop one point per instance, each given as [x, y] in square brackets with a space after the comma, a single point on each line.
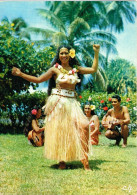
[72, 53]
[12, 24]
[22, 52]
[92, 107]
[32, 43]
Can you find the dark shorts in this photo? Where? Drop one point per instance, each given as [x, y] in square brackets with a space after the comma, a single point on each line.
[117, 129]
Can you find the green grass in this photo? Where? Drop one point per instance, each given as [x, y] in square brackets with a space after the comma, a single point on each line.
[24, 170]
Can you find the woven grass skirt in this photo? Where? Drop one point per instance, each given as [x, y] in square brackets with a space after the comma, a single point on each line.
[64, 132]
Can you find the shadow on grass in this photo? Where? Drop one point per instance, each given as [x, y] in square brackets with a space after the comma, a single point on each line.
[115, 146]
[94, 164]
[131, 146]
[120, 146]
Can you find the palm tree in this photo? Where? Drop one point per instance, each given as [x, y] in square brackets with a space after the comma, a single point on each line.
[117, 13]
[19, 25]
[77, 29]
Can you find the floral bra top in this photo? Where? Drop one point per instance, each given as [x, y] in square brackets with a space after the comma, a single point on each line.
[69, 77]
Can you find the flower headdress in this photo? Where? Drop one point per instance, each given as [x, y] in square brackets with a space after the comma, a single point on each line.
[72, 53]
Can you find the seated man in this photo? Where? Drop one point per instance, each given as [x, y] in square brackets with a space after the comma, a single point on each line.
[116, 121]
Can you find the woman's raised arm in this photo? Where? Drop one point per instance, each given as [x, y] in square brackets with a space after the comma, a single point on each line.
[93, 69]
[40, 79]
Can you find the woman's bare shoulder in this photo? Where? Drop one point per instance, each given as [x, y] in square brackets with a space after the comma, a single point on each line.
[95, 116]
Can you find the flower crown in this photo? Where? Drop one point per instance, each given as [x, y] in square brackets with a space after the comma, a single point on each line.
[72, 53]
[34, 112]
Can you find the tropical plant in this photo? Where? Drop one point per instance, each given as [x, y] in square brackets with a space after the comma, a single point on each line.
[13, 113]
[121, 77]
[19, 53]
[117, 13]
[81, 30]
[18, 27]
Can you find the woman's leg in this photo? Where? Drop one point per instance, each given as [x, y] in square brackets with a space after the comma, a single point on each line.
[62, 165]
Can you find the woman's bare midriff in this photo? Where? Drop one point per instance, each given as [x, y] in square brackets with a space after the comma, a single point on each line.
[66, 86]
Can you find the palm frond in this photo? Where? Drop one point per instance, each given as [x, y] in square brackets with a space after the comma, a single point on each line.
[55, 21]
[111, 6]
[100, 81]
[59, 38]
[65, 12]
[46, 33]
[51, 5]
[78, 27]
[25, 34]
[43, 43]
[19, 23]
[5, 19]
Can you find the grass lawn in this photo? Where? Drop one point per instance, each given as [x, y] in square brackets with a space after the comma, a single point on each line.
[24, 170]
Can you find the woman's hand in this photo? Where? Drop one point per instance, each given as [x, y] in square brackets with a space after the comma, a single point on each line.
[96, 47]
[16, 71]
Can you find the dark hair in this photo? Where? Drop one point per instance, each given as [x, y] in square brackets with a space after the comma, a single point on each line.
[72, 62]
[28, 123]
[92, 111]
[117, 97]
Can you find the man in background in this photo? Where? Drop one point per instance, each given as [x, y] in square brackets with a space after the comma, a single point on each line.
[116, 122]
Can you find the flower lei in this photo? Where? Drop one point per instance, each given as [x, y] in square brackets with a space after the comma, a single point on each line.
[70, 72]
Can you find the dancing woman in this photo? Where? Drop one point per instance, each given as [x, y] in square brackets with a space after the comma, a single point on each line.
[66, 135]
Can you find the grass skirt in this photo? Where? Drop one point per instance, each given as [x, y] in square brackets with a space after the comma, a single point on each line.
[64, 131]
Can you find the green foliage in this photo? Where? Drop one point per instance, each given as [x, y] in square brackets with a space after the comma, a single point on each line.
[117, 11]
[24, 55]
[14, 112]
[121, 76]
[21, 54]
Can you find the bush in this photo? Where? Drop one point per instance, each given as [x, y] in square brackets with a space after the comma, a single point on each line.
[14, 113]
[21, 54]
